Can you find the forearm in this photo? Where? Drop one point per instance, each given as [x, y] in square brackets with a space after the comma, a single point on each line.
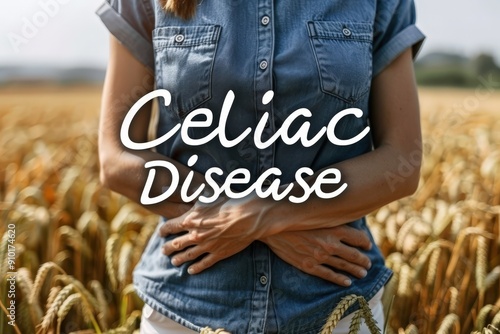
[374, 179]
[124, 172]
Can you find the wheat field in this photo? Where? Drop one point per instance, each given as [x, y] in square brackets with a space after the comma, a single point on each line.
[74, 244]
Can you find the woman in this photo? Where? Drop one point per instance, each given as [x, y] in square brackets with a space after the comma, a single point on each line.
[256, 265]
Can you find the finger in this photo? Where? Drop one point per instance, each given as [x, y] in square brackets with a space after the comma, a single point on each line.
[180, 243]
[205, 263]
[221, 253]
[352, 255]
[354, 237]
[173, 226]
[346, 266]
[188, 255]
[325, 273]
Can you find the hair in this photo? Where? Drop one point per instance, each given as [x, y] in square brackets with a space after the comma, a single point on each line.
[182, 8]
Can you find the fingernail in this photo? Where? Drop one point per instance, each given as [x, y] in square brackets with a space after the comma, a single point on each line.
[347, 282]
[175, 262]
[369, 264]
[191, 271]
[363, 273]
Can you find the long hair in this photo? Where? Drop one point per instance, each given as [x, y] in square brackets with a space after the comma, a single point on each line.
[181, 8]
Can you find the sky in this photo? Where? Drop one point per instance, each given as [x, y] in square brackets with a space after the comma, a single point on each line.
[67, 33]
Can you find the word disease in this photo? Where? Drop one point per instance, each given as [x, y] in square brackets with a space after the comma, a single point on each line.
[239, 175]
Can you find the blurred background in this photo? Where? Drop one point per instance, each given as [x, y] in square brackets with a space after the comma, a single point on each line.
[65, 41]
[76, 243]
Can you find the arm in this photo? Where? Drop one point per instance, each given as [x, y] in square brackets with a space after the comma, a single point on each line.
[395, 127]
[122, 170]
[226, 228]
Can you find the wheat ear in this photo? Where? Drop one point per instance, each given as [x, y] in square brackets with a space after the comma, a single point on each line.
[492, 277]
[111, 248]
[66, 306]
[40, 279]
[368, 316]
[355, 323]
[337, 313]
[482, 316]
[448, 322]
[51, 313]
[481, 263]
[124, 262]
[411, 329]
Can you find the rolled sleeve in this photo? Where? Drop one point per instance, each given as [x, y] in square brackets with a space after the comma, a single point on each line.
[395, 31]
[131, 22]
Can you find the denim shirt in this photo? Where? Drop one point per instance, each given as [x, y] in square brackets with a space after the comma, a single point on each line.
[319, 55]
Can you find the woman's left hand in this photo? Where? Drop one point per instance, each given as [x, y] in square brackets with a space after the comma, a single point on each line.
[218, 230]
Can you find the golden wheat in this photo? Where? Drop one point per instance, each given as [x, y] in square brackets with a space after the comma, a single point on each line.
[80, 241]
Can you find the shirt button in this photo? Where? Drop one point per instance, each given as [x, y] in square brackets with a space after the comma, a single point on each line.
[263, 280]
[263, 65]
[179, 38]
[266, 183]
[265, 20]
[346, 32]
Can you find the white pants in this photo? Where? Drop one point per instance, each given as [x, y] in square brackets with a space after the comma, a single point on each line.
[153, 322]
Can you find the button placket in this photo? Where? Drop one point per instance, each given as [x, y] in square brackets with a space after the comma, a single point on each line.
[263, 82]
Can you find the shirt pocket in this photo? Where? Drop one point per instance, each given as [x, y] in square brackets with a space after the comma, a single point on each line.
[184, 57]
[343, 52]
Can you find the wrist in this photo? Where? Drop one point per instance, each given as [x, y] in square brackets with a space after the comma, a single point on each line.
[274, 217]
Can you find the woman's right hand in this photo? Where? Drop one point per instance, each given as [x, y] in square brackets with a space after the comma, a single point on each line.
[319, 252]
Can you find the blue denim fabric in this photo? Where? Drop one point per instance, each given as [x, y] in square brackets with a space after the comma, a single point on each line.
[319, 55]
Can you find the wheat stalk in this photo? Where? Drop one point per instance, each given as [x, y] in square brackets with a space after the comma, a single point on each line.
[457, 251]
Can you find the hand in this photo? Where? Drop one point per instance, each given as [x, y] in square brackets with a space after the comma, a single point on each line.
[218, 230]
[316, 252]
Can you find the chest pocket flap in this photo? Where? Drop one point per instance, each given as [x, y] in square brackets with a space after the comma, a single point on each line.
[343, 52]
[184, 57]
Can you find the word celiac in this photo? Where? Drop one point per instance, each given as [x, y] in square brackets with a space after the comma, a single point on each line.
[239, 175]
